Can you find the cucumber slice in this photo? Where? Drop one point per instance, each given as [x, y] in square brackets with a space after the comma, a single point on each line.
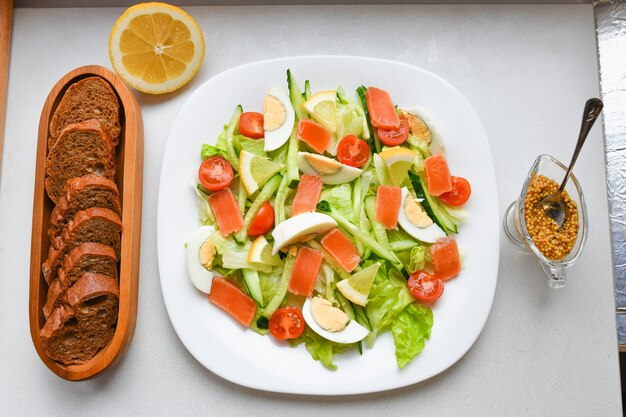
[265, 194]
[297, 99]
[432, 207]
[379, 231]
[281, 291]
[251, 278]
[295, 95]
[230, 131]
[375, 145]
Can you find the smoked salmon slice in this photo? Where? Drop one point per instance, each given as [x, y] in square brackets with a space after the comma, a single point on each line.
[388, 201]
[304, 272]
[382, 112]
[342, 249]
[438, 179]
[232, 300]
[226, 211]
[314, 134]
[446, 260]
[307, 194]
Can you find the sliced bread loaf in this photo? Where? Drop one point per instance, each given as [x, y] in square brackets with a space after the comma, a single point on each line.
[85, 322]
[89, 98]
[82, 148]
[95, 224]
[82, 193]
[88, 257]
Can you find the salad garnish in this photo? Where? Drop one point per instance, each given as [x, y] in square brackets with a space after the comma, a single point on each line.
[327, 221]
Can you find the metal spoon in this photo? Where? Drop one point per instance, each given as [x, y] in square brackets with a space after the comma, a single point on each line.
[553, 204]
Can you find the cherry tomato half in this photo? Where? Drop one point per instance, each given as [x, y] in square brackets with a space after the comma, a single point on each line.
[425, 287]
[263, 221]
[395, 137]
[353, 151]
[215, 173]
[287, 323]
[251, 125]
[461, 191]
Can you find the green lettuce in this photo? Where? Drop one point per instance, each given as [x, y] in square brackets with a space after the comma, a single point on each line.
[350, 117]
[410, 331]
[205, 214]
[388, 297]
[219, 149]
[340, 199]
[235, 256]
[320, 349]
[417, 259]
[270, 282]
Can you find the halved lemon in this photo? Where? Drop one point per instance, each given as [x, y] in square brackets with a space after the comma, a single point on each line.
[261, 252]
[398, 161]
[255, 170]
[322, 106]
[156, 47]
[357, 286]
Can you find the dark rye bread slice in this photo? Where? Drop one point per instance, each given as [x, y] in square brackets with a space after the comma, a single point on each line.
[89, 98]
[85, 322]
[88, 257]
[83, 192]
[95, 224]
[82, 148]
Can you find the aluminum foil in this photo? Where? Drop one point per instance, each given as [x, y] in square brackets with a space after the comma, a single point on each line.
[611, 34]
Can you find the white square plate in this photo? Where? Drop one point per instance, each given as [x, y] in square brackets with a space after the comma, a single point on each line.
[246, 358]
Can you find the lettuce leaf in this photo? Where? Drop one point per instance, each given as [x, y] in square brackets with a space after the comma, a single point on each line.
[320, 349]
[270, 282]
[340, 199]
[417, 259]
[350, 117]
[219, 149]
[235, 256]
[388, 297]
[205, 214]
[410, 331]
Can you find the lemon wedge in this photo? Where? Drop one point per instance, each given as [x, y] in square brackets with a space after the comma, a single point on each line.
[398, 161]
[255, 170]
[156, 47]
[261, 252]
[322, 107]
[357, 286]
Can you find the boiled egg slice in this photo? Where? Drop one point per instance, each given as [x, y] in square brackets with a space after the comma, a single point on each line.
[300, 228]
[331, 170]
[330, 322]
[200, 254]
[278, 118]
[414, 220]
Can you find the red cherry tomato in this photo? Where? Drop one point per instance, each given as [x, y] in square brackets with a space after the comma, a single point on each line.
[353, 151]
[287, 323]
[263, 221]
[215, 173]
[395, 137]
[251, 125]
[461, 191]
[425, 287]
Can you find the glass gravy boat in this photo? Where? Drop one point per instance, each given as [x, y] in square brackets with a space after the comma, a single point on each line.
[515, 224]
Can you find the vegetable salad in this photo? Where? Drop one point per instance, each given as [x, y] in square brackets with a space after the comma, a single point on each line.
[328, 220]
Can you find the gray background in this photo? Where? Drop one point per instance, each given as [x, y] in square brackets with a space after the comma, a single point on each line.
[527, 70]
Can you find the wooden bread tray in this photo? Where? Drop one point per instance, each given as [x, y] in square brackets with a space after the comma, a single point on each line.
[129, 179]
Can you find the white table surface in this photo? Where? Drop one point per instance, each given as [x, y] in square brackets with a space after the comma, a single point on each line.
[526, 69]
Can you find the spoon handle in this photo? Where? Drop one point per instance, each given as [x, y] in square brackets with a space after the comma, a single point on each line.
[593, 107]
